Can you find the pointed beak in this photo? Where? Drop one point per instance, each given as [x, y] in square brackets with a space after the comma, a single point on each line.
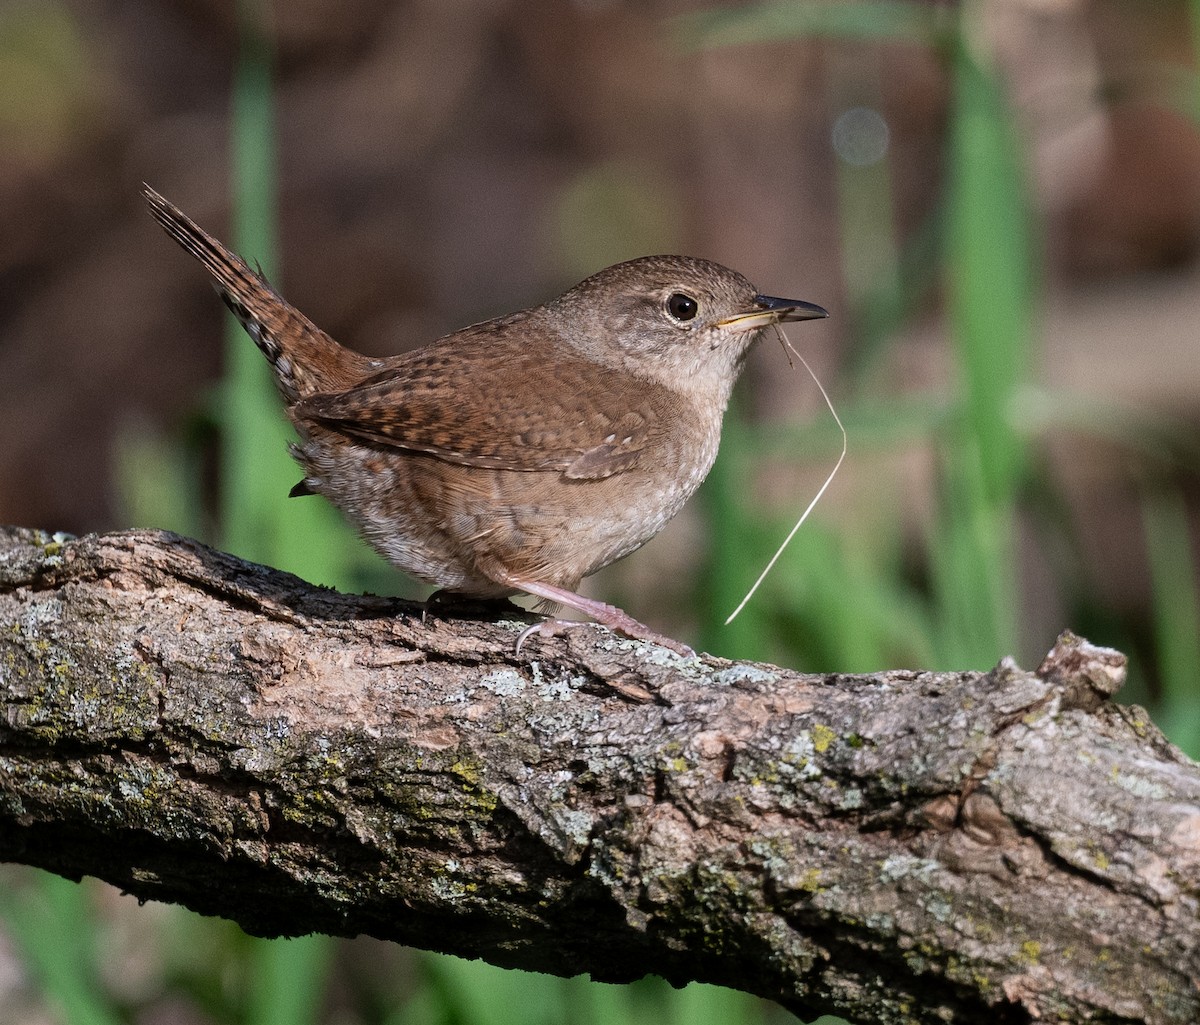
[773, 311]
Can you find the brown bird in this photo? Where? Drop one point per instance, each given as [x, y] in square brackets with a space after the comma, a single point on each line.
[524, 453]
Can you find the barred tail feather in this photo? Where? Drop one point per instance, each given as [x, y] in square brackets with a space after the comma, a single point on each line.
[304, 358]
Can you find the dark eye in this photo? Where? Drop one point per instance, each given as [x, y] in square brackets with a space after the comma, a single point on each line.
[681, 306]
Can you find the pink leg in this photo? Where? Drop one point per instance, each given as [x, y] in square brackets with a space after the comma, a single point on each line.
[609, 615]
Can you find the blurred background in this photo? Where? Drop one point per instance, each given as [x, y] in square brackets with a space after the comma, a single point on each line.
[999, 203]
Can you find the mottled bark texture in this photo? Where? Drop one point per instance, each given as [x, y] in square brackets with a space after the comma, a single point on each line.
[900, 847]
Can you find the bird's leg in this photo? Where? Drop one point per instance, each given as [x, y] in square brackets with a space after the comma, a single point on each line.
[609, 615]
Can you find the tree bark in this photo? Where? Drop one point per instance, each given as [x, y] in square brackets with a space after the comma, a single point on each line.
[899, 847]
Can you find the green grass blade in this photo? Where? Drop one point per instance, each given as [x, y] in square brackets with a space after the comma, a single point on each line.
[477, 993]
[699, 1004]
[52, 924]
[991, 267]
[1175, 608]
[255, 471]
[304, 536]
[287, 980]
[258, 520]
[991, 296]
[733, 560]
[971, 565]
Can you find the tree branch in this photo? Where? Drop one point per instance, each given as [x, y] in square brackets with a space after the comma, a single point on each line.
[905, 846]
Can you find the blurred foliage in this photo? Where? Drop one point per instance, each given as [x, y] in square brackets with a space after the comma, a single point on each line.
[845, 599]
[612, 212]
[307, 537]
[44, 95]
[848, 596]
[891, 21]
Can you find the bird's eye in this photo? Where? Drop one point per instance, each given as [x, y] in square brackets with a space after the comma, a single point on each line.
[682, 306]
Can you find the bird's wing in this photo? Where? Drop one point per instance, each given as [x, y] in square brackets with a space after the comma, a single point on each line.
[457, 402]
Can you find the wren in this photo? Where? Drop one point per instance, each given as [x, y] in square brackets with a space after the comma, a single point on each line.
[524, 453]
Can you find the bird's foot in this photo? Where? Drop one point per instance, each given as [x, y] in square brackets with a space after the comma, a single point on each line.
[608, 615]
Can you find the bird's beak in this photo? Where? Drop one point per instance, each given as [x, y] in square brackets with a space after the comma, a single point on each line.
[773, 311]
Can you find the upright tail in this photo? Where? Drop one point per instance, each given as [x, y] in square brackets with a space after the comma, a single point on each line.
[304, 358]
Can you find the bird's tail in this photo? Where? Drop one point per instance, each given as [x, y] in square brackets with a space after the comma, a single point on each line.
[304, 358]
